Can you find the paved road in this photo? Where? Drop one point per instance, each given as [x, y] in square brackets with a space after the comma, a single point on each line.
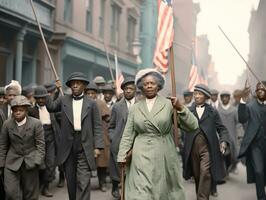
[235, 189]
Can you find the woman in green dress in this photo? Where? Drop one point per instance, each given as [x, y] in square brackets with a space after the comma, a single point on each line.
[154, 172]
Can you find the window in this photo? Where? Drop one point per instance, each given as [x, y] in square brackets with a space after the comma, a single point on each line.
[89, 15]
[131, 26]
[101, 19]
[116, 11]
[68, 11]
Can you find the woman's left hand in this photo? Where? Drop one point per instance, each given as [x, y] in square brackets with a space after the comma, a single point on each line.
[176, 103]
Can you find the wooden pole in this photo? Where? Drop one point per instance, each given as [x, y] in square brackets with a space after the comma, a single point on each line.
[45, 45]
[123, 181]
[108, 62]
[248, 67]
[173, 83]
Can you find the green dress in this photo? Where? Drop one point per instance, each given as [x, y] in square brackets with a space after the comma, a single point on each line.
[155, 169]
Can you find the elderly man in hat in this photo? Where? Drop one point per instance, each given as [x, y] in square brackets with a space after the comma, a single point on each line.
[203, 149]
[50, 126]
[81, 137]
[117, 124]
[103, 160]
[22, 149]
[229, 117]
[253, 146]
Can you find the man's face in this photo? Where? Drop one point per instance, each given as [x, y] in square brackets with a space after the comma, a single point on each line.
[2, 99]
[41, 101]
[214, 97]
[129, 91]
[11, 93]
[188, 99]
[199, 97]
[260, 92]
[19, 112]
[92, 94]
[225, 99]
[77, 87]
[108, 95]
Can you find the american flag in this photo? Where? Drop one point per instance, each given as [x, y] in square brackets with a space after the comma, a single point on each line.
[196, 75]
[119, 78]
[165, 34]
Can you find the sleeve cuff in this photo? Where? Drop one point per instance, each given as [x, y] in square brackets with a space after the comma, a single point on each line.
[242, 101]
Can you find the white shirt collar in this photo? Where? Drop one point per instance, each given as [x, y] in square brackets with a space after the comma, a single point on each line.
[225, 107]
[150, 103]
[22, 122]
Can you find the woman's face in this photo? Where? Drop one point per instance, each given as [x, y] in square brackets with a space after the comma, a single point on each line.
[150, 87]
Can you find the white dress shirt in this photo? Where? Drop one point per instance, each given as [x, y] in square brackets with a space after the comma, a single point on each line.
[9, 111]
[77, 108]
[130, 102]
[22, 122]
[215, 104]
[200, 110]
[44, 115]
[150, 103]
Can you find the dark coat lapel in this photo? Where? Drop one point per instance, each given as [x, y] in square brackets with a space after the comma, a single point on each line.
[205, 113]
[124, 109]
[68, 108]
[85, 107]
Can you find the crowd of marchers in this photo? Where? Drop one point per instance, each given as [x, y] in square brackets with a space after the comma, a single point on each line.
[93, 128]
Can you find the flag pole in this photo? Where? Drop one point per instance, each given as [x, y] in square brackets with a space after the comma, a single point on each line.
[108, 62]
[173, 83]
[46, 47]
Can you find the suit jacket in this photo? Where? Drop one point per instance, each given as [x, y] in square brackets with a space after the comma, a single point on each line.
[210, 124]
[34, 112]
[3, 113]
[254, 115]
[91, 127]
[27, 146]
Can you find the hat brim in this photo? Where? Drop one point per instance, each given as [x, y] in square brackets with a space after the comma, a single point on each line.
[40, 96]
[77, 79]
[126, 83]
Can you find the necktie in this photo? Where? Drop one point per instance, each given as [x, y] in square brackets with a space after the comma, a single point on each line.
[77, 97]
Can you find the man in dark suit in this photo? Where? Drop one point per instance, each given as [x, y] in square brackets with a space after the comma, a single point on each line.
[116, 127]
[50, 126]
[253, 145]
[81, 137]
[22, 150]
[202, 149]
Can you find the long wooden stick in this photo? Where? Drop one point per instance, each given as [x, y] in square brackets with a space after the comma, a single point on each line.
[248, 67]
[45, 45]
[173, 83]
[108, 62]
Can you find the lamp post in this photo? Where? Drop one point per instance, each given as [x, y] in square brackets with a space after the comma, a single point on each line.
[136, 47]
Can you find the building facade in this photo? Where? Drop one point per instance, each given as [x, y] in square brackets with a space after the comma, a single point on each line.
[86, 29]
[22, 55]
[257, 39]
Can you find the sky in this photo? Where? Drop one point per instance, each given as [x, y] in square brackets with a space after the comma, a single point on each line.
[233, 17]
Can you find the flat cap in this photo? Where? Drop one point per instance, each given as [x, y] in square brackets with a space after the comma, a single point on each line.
[92, 86]
[214, 92]
[50, 86]
[77, 76]
[20, 100]
[225, 93]
[40, 91]
[187, 93]
[203, 88]
[128, 80]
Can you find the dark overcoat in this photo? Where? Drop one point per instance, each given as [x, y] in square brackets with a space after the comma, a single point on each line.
[210, 124]
[91, 127]
[255, 117]
[27, 147]
[116, 128]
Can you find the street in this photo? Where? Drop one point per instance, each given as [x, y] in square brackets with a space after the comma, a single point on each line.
[235, 189]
